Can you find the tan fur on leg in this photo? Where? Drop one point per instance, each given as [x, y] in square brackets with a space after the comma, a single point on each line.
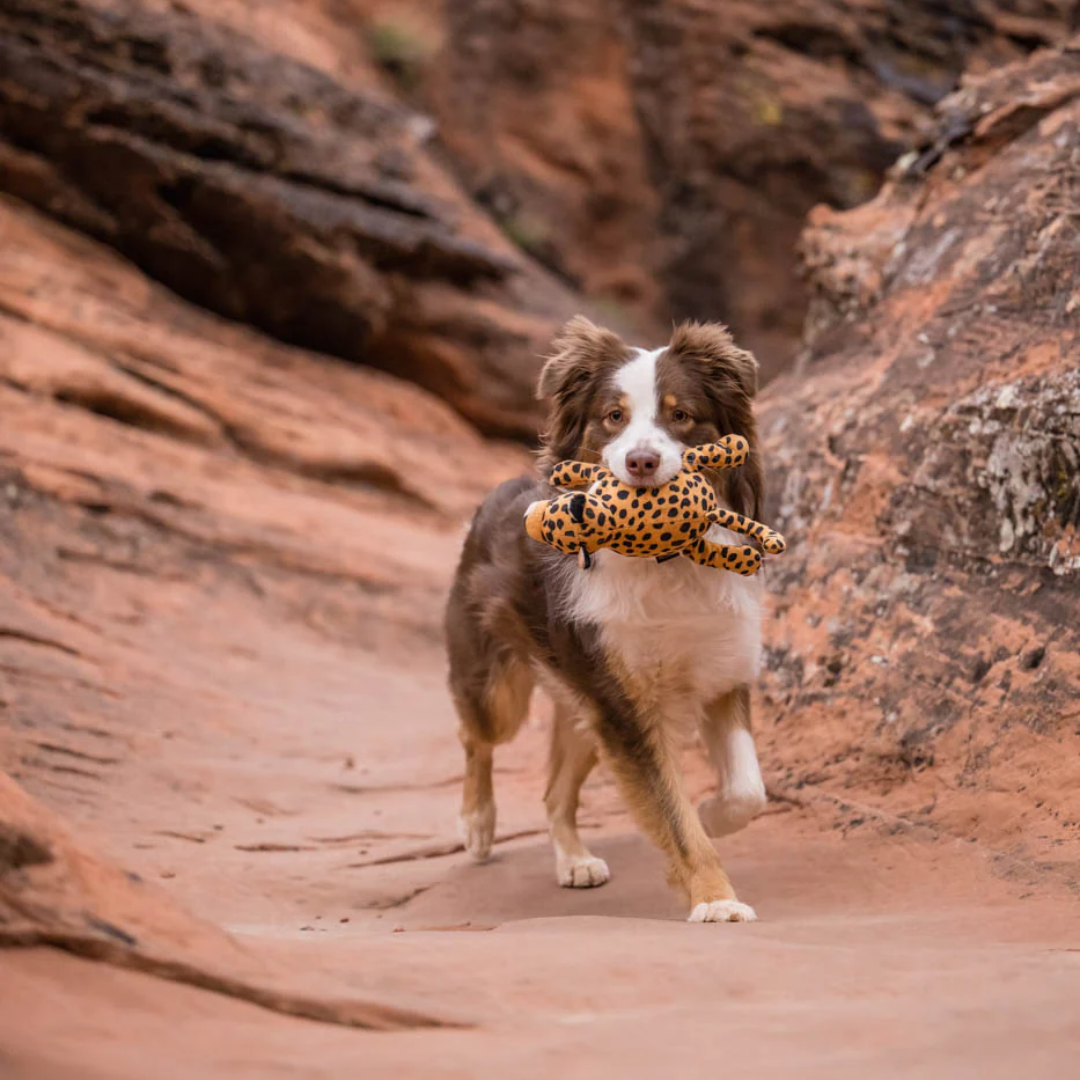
[477, 821]
[491, 717]
[646, 770]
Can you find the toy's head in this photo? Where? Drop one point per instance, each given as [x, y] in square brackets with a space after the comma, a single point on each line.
[637, 412]
[560, 519]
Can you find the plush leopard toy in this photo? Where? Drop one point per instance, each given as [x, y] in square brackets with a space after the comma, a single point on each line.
[651, 522]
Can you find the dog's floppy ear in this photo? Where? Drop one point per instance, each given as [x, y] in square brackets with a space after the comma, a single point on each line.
[580, 348]
[731, 369]
[730, 381]
[581, 352]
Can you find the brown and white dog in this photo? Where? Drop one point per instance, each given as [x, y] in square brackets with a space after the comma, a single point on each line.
[632, 652]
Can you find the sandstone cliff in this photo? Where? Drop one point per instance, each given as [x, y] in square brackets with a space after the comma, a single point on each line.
[926, 466]
[272, 194]
[665, 155]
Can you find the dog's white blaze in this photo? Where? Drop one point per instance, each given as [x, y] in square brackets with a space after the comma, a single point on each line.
[636, 380]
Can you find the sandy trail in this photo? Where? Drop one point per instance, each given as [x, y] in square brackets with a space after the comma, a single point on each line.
[283, 789]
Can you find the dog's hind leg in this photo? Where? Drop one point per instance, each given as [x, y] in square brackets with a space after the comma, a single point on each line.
[490, 713]
[573, 756]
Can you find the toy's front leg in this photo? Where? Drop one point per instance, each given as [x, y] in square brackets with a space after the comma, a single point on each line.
[727, 453]
[739, 560]
[771, 541]
[575, 474]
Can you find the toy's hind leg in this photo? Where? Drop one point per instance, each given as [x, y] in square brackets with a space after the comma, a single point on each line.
[740, 560]
[771, 541]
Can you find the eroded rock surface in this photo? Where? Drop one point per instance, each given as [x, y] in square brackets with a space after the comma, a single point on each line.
[55, 893]
[271, 193]
[664, 155]
[176, 492]
[134, 411]
[660, 158]
[927, 473]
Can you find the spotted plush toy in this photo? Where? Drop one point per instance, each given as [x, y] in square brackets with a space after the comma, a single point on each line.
[651, 522]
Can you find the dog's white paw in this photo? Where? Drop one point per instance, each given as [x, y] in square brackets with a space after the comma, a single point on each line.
[477, 831]
[724, 815]
[722, 911]
[581, 871]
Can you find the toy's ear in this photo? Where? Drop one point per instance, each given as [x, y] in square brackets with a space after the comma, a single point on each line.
[581, 354]
[730, 370]
[534, 519]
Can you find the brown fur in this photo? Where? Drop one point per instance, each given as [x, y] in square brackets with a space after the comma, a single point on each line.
[573, 381]
[724, 401]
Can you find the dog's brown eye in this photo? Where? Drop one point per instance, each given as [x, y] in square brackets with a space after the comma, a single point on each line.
[680, 416]
[615, 415]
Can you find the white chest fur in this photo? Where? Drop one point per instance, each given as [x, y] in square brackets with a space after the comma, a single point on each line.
[682, 633]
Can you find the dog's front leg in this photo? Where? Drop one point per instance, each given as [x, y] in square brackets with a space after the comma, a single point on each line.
[646, 770]
[726, 732]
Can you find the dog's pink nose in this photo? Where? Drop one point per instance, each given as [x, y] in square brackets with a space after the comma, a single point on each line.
[642, 464]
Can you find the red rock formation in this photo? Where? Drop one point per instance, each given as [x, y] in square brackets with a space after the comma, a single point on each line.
[272, 194]
[664, 155]
[118, 398]
[660, 157]
[54, 893]
[926, 471]
[223, 558]
[175, 491]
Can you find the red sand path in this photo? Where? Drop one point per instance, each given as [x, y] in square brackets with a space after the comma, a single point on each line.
[295, 760]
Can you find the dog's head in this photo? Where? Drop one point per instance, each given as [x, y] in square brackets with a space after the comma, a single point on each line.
[637, 411]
